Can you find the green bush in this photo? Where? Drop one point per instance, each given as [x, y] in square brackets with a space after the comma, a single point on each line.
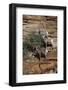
[35, 39]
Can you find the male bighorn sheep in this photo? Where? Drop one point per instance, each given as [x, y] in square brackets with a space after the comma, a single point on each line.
[52, 42]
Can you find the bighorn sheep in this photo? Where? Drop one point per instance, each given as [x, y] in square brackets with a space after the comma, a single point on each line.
[40, 52]
[48, 41]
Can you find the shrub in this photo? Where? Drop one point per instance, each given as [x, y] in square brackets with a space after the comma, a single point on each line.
[35, 39]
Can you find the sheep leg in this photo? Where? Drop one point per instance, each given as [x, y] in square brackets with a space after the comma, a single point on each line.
[39, 62]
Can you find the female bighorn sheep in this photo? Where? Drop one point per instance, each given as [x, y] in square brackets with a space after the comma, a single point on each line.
[40, 52]
[48, 41]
